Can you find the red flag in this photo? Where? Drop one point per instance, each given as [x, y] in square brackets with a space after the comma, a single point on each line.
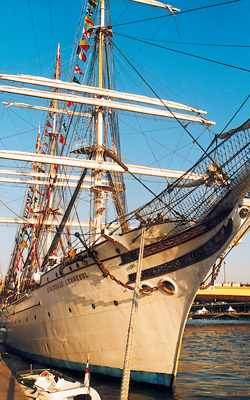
[78, 70]
[48, 124]
[61, 140]
[81, 54]
[84, 45]
[69, 104]
[21, 256]
[87, 375]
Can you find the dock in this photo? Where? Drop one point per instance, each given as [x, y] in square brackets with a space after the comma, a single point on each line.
[214, 316]
[9, 388]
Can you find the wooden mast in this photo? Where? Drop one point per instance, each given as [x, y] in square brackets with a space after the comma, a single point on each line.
[99, 195]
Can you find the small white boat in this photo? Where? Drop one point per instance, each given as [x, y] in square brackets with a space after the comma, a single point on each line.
[52, 385]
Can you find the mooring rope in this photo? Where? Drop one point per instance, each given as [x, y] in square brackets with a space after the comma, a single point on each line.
[131, 328]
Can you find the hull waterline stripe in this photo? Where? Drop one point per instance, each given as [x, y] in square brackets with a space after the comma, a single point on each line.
[154, 378]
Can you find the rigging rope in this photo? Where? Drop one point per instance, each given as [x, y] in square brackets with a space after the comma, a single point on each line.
[33, 26]
[14, 212]
[215, 271]
[179, 13]
[183, 52]
[181, 124]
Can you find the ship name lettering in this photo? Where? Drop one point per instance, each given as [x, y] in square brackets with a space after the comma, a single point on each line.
[57, 285]
[76, 278]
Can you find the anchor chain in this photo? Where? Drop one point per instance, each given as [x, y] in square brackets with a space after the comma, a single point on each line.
[211, 283]
[93, 254]
[106, 273]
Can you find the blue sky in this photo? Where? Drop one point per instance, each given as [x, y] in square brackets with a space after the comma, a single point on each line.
[31, 30]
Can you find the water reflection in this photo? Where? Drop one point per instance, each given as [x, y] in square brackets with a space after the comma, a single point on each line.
[215, 360]
[214, 364]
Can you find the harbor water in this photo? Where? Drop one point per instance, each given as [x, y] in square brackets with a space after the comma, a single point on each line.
[214, 364]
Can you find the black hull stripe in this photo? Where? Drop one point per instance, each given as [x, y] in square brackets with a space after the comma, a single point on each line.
[201, 253]
[183, 237]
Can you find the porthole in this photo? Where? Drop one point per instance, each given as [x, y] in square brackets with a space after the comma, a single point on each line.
[49, 314]
[244, 213]
[118, 251]
[93, 306]
[19, 321]
[70, 310]
[34, 316]
[70, 268]
[27, 319]
[77, 265]
[116, 303]
[47, 279]
[56, 274]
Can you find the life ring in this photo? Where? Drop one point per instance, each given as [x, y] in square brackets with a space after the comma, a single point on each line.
[46, 374]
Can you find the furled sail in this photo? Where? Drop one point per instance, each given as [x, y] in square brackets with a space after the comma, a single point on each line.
[240, 128]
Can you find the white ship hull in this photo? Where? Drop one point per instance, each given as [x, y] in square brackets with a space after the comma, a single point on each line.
[82, 312]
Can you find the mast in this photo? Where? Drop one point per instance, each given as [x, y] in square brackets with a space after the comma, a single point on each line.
[93, 124]
[51, 201]
[99, 197]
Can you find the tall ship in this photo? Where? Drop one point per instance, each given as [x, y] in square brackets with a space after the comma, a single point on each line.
[72, 272]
